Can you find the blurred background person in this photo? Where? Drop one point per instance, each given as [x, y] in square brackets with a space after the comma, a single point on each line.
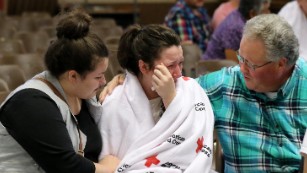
[225, 40]
[295, 12]
[190, 20]
[222, 11]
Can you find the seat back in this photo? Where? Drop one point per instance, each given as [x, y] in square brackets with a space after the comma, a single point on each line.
[8, 46]
[6, 31]
[4, 90]
[109, 22]
[3, 86]
[207, 66]
[7, 58]
[192, 54]
[3, 95]
[112, 40]
[29, 63]
[50, 30]
[35, 42]
[12, 75]
[114, 66]
[218, 160]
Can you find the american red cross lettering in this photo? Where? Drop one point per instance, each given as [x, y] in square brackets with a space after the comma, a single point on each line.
[152, 160]
[199, 144]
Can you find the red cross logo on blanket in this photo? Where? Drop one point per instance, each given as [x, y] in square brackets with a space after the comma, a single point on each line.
[185, 78]
[152, 160]
[199, 144]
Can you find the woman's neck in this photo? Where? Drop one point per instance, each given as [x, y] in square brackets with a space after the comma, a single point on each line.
[74, 103]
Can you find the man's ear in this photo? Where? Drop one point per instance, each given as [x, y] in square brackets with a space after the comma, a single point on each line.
[144, 68]
[283, 62]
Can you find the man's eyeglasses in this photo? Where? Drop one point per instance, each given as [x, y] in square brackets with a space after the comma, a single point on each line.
[250, 65]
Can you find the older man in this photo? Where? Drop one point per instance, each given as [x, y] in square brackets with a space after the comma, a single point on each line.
[260, 106]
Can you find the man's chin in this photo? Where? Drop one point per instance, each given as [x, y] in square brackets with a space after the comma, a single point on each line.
[249, 85]
[254, 88]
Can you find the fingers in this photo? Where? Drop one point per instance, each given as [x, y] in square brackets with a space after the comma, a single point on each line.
[121, 78]
[161, 75]
[155, 82]
[108, 89]
[157, 78]
[162, 80]
[103, 94]
[161, 70]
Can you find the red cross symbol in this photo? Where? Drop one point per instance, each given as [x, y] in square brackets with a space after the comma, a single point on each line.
[185, 78]
[152, 160]
[199, 144]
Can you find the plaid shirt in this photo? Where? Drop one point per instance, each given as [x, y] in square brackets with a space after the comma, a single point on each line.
[190, 25]
[258, 134]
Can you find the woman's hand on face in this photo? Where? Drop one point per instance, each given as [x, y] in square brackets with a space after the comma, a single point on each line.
[164, 84]
[107, 90]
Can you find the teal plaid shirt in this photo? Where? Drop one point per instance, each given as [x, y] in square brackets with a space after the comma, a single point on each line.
[258, 134]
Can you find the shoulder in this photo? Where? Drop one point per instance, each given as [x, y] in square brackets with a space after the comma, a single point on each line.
[226, 77]
[176, 10]
[232, 26]
[32, 103]
[288, 8]
[298, 80]
[233, 22]
[222, 8]
[188, 81]
[301, 68]
[30, 96]
[235, 19]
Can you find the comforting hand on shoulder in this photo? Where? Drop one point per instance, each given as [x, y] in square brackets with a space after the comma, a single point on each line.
[107, 90]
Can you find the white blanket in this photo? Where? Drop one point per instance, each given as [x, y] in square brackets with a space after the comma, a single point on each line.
[181, 141]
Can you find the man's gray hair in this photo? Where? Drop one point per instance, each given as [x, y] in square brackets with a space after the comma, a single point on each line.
[278, 36]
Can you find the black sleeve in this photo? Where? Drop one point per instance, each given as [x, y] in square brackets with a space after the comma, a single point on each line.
[35, 121]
